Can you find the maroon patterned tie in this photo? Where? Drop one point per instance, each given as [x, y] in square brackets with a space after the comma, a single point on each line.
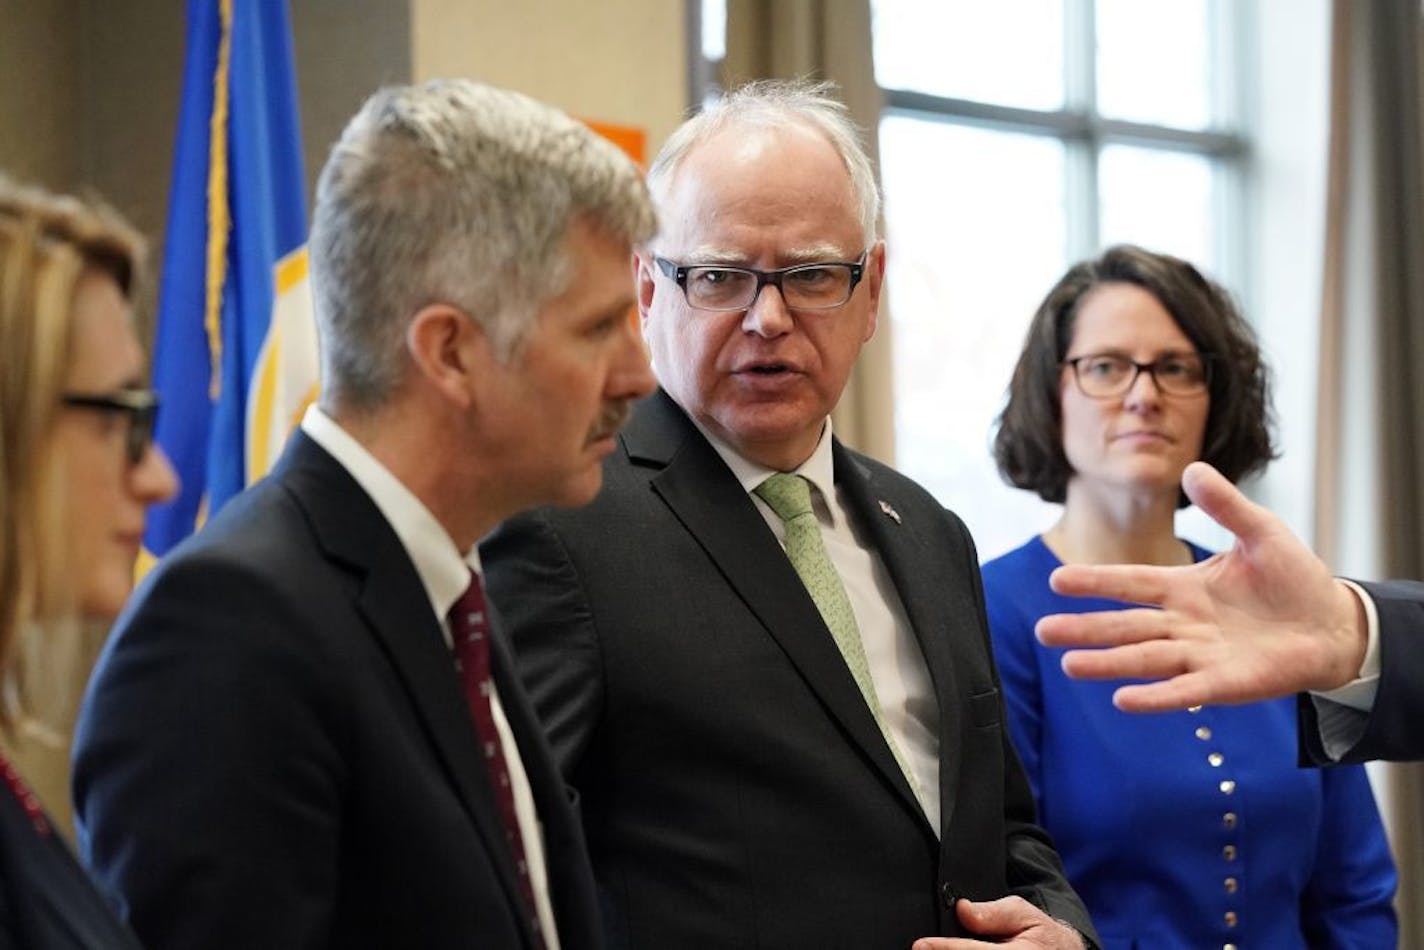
[469, 630]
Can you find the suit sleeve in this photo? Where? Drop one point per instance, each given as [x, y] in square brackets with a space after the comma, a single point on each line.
[1391, 730]
[1015, 653]
[207, 770]
[1035, 872]
[536, 588]
[11, 936]
[1348, 900]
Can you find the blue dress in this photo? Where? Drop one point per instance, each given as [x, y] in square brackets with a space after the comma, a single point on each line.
[1185, 829]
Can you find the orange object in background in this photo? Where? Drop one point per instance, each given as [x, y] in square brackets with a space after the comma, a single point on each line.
[631, 139]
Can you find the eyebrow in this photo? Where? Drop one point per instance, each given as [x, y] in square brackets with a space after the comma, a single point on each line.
[708, 254]
[135, 381]
[817, 254]
[1124, 354]
[812, 254]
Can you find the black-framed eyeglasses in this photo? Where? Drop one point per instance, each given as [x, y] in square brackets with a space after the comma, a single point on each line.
[823, 285]
[1104, 375]
[139, 405]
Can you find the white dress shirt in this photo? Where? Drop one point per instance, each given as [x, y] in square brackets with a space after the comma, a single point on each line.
[1343, 713]
[908, 706]
[445, 574]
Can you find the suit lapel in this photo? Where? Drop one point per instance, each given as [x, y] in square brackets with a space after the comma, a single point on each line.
[706, 498]
[922, 594]
[394, 604]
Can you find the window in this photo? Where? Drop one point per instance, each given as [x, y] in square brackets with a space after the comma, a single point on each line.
[1020, 136]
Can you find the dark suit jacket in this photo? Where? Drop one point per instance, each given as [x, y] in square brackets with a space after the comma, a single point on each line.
[46, 900]
[1395, 727]
[275, 750]
[737, 791]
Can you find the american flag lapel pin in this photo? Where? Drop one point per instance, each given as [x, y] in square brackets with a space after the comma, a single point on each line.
[889, 511]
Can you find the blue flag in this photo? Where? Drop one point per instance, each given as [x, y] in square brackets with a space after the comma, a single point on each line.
[235, 355]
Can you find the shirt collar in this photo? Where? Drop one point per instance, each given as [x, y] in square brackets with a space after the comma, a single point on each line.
[818, 469]
[443, 572]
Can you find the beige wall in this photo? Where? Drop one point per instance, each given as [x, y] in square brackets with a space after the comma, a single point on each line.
[89, 88]
[39, 91]
[131, 64]
[344, 50]
[622, 61]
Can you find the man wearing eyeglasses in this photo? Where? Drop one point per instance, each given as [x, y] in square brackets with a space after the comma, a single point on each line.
[761, 657]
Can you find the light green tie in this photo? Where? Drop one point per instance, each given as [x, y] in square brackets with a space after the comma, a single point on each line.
[790, 497]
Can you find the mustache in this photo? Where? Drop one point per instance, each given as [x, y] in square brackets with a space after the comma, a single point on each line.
[611, 419]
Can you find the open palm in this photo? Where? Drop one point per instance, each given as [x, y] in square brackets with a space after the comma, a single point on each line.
[1264, 619]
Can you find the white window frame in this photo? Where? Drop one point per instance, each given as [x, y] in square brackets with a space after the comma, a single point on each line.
[1085, 132]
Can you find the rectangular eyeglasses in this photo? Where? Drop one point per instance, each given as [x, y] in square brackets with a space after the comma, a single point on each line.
[139, 405]
[1105, 375]
[823, 285]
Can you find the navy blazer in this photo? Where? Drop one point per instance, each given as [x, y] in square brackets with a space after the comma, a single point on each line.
[1393, 729]
[737, 790]
[275, 750]
[47, 902]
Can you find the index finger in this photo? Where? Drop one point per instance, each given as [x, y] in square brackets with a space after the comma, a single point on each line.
[1106, 628]
[1134, 583]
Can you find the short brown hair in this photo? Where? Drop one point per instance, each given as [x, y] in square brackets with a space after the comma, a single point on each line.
[1028, 445]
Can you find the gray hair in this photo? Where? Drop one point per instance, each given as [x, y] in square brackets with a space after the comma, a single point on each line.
[769, 104]
[454, 192]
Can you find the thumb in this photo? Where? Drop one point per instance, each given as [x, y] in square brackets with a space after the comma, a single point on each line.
[990, 917]
[1223, 502]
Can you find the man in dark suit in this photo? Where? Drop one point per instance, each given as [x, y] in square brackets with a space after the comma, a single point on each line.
[1262, 620]
[278, 748]
[799, 748]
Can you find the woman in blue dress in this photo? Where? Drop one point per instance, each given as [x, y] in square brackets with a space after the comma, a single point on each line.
[1188, 829]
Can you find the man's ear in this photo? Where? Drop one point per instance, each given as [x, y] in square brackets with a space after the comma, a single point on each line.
[874, 282]
[643, 280]
[451, 351]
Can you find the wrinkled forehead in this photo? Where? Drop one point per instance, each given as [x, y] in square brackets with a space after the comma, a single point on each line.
[753, 191]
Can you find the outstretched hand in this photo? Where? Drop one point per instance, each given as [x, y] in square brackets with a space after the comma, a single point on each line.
[1264, 619]
[1006, 922]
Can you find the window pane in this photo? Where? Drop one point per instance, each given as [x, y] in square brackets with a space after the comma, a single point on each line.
[976, 233]
[1160, 200]
[714, 30]
[1154, 61]
[1007, 52]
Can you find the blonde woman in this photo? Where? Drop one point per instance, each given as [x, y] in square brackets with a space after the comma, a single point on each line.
[77, 471]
